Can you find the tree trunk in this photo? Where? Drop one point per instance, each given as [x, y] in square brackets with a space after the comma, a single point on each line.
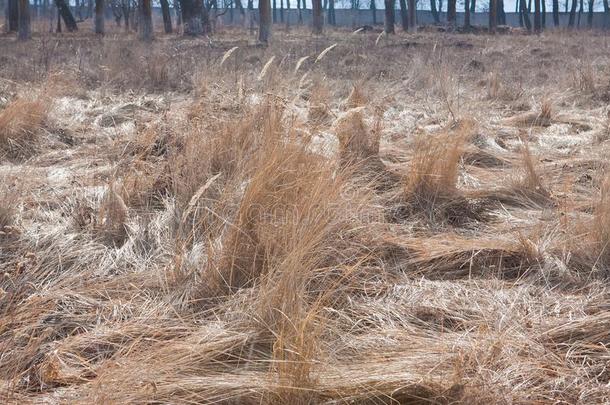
[202, 11]
[556, 13]
[99, 17]
[543, 13]
[191, 19]
[580, 11]
[572, 14]
[404, 15]
[606, 6]
[373, 8]
[412, 15]
[388, 23]
[300, 15]
[264, 30]
[25, 32]
[318, 19]
[537, 19]
[451, 12]
[525, 15]
[167, 17]
[493, 16]
[12, 15]
[274, 11]
[66, 15]
[466, 15]
[146, 27]
[434, 11]
[332, 20]
[473, 6]
[590, 16]
[500, 14]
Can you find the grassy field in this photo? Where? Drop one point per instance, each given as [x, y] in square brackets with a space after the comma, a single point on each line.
[350, 218]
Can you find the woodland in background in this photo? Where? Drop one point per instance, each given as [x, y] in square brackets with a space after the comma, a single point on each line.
[197, 17]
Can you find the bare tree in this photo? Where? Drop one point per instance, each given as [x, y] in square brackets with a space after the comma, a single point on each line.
[332, 20]
[556, 12]
[537, 17]
[146, 27]
[264, 30]
[373, 8]
[525, 16]
[167, 17]
[99, 17]
[412, 15]
[590, 15]
[190, 18]
[451, 12]
[466, 15]
[25, 32]
[434, 11]
[66, 15]
[572, 14]
[404, 15]
[318, 19]
[389, 17]
[500, 14]
[12, 15]
[493, 16]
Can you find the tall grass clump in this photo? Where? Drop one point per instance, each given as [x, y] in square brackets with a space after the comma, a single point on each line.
[430, 189]
[21, 123]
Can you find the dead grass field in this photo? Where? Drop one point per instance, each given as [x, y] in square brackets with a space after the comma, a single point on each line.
[343, 219]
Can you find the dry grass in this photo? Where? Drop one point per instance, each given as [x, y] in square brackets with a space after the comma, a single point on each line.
[311, 223]
[21, 123]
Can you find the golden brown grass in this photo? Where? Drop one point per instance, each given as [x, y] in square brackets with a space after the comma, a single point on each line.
[245, 241]
[21, 122]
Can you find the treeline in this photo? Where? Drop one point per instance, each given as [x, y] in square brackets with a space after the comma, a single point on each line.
[194, 17]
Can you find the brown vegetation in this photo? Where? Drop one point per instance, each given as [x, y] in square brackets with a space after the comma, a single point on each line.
[328, 220]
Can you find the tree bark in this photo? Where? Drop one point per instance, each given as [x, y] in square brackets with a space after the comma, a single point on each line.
[318, 19]
[388, 23]
[556, 13]
[373, 8]
[543, 13]
[473, 6]
[434, 11]
[274, 11]
[412, 15]
[167, 17]
[404, 15]
[493, 17]
[66, 15]
[466, 15]
[99, 17]
[12, 15]
[537, 19]
[590, 15]
[146, 27]
[451, 12]
[25, 32]
[264, 30]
